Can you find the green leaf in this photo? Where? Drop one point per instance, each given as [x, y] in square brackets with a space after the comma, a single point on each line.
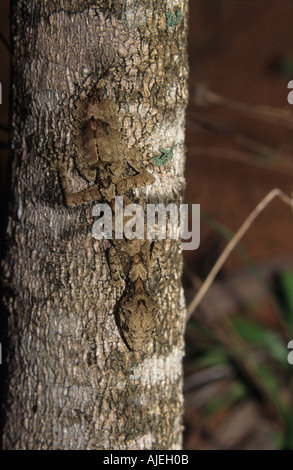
[259, 336]
[284, 280]
[284, 67]
[237, 392]
[213, 357]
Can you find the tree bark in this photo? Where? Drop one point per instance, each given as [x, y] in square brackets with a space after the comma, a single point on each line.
[73, 383]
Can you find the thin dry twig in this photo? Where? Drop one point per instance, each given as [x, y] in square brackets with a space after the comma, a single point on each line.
[276, 192]
[282, 162]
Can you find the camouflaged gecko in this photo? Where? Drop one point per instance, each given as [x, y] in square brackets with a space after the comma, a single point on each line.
[103, 160]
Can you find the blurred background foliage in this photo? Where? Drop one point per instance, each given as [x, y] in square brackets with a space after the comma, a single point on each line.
[238, 381]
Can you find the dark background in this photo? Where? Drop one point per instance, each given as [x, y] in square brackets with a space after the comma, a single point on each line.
[243, 51]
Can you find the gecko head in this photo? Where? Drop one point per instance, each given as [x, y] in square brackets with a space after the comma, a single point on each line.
[137, 316]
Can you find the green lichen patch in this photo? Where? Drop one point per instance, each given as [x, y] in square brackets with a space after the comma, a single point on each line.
[173, 18]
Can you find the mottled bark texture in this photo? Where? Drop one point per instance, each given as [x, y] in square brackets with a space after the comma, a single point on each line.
[73, 384]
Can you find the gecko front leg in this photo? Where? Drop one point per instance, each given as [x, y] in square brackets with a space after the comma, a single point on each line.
[143, 177]
[73, 199]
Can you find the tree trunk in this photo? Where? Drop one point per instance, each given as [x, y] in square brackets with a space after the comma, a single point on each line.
[81, 375]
